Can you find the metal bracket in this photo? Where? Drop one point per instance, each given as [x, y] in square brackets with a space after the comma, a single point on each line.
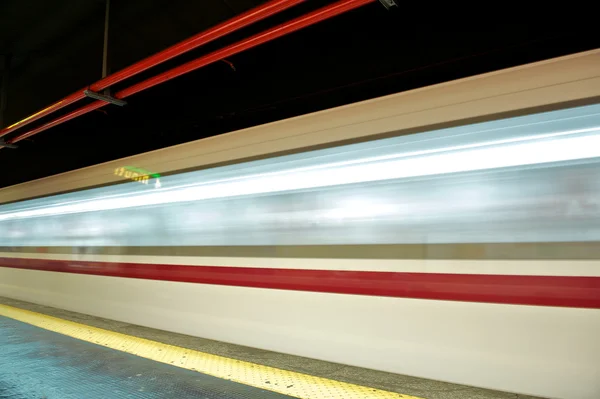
[3, 143]
[105, 98]
[389, 3]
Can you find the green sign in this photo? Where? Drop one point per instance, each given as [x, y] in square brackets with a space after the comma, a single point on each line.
[137, 174]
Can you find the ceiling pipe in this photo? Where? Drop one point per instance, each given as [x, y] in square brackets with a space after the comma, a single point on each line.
[241, 21]
[304, 21]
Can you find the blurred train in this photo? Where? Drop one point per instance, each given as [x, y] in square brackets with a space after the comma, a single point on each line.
[450, 232]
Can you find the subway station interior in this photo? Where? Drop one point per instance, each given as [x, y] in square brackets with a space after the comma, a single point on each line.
[325, 199]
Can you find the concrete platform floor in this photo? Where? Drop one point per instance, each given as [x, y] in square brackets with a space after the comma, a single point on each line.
[419, 387]
[38, 363]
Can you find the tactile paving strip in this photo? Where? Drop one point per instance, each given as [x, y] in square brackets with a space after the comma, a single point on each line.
[37, 363]
[285, 382]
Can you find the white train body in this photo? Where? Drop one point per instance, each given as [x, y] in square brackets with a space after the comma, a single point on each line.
[449, 232]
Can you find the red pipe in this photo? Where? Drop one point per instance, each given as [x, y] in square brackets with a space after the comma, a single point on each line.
[259, 13]
[314, 17]
[67, 117]
[271, 34]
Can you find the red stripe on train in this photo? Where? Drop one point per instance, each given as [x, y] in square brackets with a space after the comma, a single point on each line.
[561, 291]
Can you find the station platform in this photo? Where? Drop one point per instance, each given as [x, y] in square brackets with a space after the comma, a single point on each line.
[54, 354]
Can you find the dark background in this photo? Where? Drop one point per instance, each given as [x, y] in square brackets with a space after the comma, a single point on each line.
[55, 48]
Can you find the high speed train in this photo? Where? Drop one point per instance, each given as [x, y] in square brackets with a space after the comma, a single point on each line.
[450, 232]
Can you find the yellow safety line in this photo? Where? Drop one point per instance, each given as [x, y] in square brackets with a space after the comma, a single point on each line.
[289, 383]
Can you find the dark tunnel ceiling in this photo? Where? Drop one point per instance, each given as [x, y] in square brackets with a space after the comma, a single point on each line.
[55, 48]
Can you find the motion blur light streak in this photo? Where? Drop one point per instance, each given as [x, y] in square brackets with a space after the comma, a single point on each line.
[561, 146]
